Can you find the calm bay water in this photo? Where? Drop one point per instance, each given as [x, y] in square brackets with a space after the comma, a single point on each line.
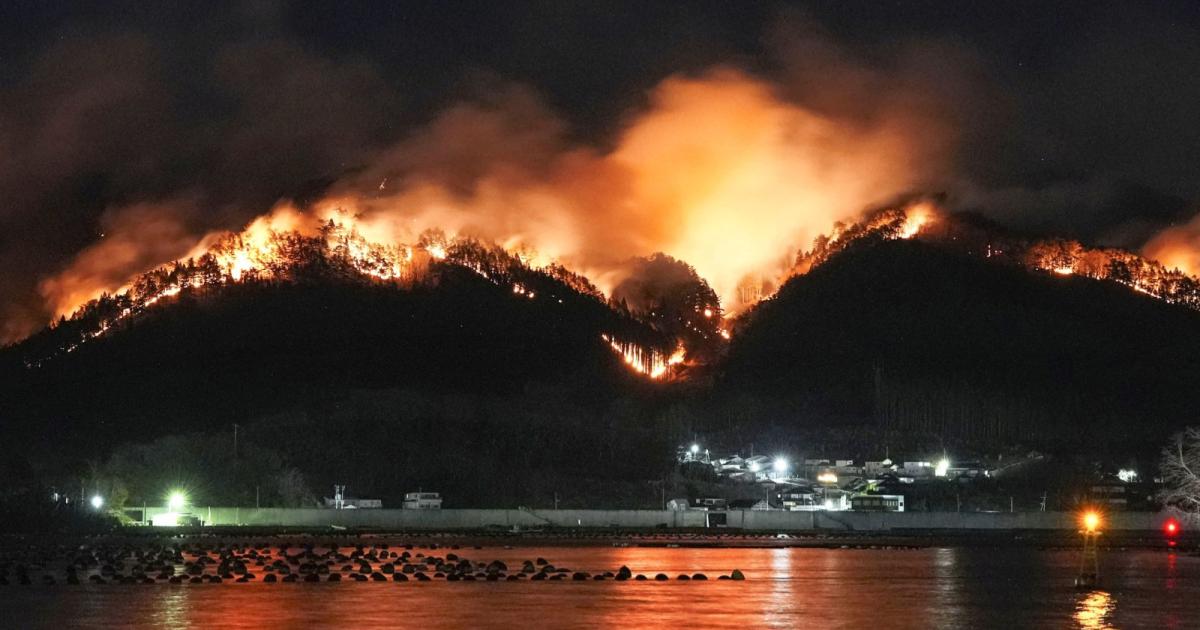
[784, 588]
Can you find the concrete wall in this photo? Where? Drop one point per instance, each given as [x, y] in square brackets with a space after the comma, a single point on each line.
[769, 521]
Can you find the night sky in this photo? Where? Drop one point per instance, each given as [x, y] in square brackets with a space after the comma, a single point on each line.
[1077, 118]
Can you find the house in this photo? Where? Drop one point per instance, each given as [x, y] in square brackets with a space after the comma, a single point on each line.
[835, 500]
[678, 505]
[846, 467]
[796, 498]
[422, 501]
[874, 469]
[918, 469]
[710, 503]
[968, 469]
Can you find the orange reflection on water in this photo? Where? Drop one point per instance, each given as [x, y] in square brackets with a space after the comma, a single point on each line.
[1095, 610]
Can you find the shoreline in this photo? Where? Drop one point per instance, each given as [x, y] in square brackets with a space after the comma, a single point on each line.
[916, 539]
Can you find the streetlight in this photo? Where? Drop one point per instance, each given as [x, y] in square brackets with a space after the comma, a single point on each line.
[176, 500]
[97, 502]
[780, 465]
[1089, 562]
[943, 467]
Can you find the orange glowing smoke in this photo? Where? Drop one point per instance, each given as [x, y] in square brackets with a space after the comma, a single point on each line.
[719, 171]
[732, 180]
[1177, 247]
[136, 239]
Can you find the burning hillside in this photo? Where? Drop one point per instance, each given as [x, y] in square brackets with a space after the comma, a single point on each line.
[720, 171]
[288, 247]
[923, 221]
[702, 205]
[684, 319]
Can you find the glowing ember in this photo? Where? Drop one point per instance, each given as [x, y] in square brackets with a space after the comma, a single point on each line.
[916, 217]
[646, 362]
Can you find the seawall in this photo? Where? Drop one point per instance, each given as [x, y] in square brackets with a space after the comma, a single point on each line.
[748, 520]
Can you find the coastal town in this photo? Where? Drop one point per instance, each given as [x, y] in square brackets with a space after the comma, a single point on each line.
[837, 484]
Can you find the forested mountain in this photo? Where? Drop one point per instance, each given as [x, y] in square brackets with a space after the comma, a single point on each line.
[500, 384]
[456, 376]
[919, 337]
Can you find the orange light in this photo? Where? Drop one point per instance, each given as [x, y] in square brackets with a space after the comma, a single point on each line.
[1091, 521]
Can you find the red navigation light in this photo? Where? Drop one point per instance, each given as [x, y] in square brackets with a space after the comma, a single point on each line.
[1171, 527]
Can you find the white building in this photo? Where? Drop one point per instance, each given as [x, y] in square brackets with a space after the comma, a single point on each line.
[422, 501]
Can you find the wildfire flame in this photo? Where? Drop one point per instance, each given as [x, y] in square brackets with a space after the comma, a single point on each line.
[267, 249]
[915, 218]
[720, 171]
[649, 363]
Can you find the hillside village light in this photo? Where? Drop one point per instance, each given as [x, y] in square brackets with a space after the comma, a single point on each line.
[780, 465]
[943, 467]
[695, 449]
[755, 467]
[97, 502]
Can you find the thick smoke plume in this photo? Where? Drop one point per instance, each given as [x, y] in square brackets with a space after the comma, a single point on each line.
[125, 145]
[1177, 247]
[719, 171]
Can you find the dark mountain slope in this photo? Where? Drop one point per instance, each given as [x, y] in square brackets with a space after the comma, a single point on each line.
[208, 360]
[910, 336]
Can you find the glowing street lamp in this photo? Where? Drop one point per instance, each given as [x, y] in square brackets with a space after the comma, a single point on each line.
[943, 467]
[97, 502]
[695, 449]
[780, 465]
[176, 500]
[1089, 562]
[755, 467]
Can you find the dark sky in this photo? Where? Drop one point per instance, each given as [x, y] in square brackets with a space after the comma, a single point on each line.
[1072, 117]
